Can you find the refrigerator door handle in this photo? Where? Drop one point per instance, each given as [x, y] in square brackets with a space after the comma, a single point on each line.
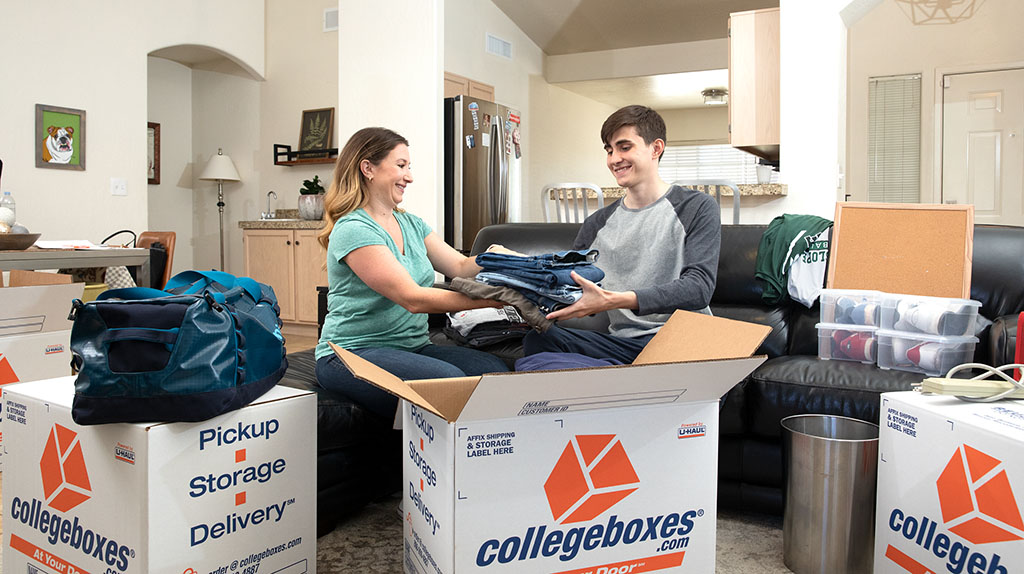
[495, 175]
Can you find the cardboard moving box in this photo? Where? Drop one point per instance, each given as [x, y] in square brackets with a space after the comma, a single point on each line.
[603, 470]
[950, 476]
[233, 494]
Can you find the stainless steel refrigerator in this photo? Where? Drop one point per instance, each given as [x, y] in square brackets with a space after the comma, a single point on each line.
[481, 166]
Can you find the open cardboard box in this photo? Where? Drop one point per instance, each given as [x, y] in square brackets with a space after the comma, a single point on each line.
[611, 469]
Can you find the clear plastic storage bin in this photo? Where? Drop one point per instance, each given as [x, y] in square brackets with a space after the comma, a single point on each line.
[939, 316]
[851, 307]
[922, 353]
[847, 342]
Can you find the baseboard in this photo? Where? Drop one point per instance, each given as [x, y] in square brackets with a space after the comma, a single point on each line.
[299, 329]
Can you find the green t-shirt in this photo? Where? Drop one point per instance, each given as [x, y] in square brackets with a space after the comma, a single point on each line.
[357, 316]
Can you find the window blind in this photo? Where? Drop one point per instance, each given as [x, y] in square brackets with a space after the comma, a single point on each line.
[894, 139]
[719, 161]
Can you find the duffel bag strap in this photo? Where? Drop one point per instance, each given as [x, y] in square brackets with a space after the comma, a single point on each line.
[132, 293]
[196, 281]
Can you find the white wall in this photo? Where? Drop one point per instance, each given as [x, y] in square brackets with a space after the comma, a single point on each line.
[812, 109]
[389, 74]
[567, 147]
[302, 74]
[107, 77]
[225, 115]
[169, 204]
[885, 42]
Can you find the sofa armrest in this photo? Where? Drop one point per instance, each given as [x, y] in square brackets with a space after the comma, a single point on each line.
[1002, 339]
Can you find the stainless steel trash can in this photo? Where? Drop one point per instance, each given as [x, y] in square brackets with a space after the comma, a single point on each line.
[828, 523]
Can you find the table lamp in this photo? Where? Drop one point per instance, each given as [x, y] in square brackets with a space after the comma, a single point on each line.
[220, 169]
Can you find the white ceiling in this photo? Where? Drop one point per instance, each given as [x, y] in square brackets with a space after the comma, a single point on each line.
[562, 27]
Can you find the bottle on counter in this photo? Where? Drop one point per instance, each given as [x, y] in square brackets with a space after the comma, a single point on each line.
[7, 203]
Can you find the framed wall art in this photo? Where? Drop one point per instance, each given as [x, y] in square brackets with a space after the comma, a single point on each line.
[153, 148]
[60, 138]
[317, 131]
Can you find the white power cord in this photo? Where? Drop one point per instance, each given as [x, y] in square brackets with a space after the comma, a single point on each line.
[982, 389]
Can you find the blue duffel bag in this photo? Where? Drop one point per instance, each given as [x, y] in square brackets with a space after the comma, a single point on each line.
[208, 344]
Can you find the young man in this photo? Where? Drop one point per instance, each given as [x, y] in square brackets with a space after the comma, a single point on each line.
[658, 247]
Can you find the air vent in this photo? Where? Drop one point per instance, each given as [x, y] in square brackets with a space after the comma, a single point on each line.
[331, 20]
[499, 47]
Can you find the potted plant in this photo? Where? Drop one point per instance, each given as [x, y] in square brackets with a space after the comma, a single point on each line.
[311, 199]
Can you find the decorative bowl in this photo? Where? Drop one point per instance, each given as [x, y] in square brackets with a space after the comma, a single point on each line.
[17, 241]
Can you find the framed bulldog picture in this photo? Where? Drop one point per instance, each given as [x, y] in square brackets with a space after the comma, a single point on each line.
[317, 131]
[60, 138]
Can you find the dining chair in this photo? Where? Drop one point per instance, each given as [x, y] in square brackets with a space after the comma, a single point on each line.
[570, 201]
[166, 238]
[714, 186]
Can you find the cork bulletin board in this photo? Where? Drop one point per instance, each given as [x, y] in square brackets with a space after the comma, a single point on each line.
[917, 249]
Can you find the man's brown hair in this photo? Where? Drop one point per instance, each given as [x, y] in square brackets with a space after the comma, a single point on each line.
[648, 123]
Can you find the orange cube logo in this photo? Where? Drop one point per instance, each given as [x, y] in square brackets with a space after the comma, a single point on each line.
[65, 479]
[592, 475]
[976, 500]
[7, 374]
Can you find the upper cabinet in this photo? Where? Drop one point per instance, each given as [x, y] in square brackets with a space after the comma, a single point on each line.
[754, 82]
[456, 85]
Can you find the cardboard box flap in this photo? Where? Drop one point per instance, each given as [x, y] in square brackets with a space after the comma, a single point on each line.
[508, 395]
[448, 396]
[689, 336]
[36, 309]
[367, 371]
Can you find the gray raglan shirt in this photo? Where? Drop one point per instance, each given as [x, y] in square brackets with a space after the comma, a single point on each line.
[667, 253]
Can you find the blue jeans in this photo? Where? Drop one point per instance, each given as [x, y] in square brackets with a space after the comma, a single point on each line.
[429, 362]
[590, 343]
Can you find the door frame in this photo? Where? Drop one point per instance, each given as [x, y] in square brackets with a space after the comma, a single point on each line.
[939, 137]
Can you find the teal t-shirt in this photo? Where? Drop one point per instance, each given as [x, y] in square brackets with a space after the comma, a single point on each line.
[357, 316]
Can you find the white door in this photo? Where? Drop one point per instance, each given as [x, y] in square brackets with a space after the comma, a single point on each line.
[982, 147]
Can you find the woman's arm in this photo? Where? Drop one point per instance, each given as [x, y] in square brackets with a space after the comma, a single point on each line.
[378, 268]
[447, 260]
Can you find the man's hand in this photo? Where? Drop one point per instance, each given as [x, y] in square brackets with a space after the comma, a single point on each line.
[594, 300]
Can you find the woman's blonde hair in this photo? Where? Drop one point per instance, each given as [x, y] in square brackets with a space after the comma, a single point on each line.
[348, 187]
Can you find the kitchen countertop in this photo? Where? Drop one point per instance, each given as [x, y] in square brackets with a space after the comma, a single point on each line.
[284, 219]
[760, 189]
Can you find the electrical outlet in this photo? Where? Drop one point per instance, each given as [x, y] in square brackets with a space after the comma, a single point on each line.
[118, 186]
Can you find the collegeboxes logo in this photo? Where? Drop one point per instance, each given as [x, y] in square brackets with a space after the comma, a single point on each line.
[7, 374]
[592, 475]
[977, 505]
[65, 478]
[976, 499]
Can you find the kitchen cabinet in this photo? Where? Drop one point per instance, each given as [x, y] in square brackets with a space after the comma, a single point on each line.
[754, 82]
[292, 262]
[455, 85]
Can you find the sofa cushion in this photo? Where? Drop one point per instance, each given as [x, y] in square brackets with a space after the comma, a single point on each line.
[798, 384]
[775, 344]
[340, 422]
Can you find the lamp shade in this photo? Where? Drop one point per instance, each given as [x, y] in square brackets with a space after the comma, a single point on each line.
[220, 168]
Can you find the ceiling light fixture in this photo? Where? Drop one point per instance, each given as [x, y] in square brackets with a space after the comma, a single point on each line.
[939, 11]
[715, 96]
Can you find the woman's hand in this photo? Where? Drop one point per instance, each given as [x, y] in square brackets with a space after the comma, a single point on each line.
[495, 248]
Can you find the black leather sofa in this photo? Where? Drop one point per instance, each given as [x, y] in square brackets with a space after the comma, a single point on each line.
[792, 381]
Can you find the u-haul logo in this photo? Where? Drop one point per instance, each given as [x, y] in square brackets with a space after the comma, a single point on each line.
[977, 504]
[53, 349]
[124, 453]
[7, 374]
[692, 430]
[65, 478]
[592, 475]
